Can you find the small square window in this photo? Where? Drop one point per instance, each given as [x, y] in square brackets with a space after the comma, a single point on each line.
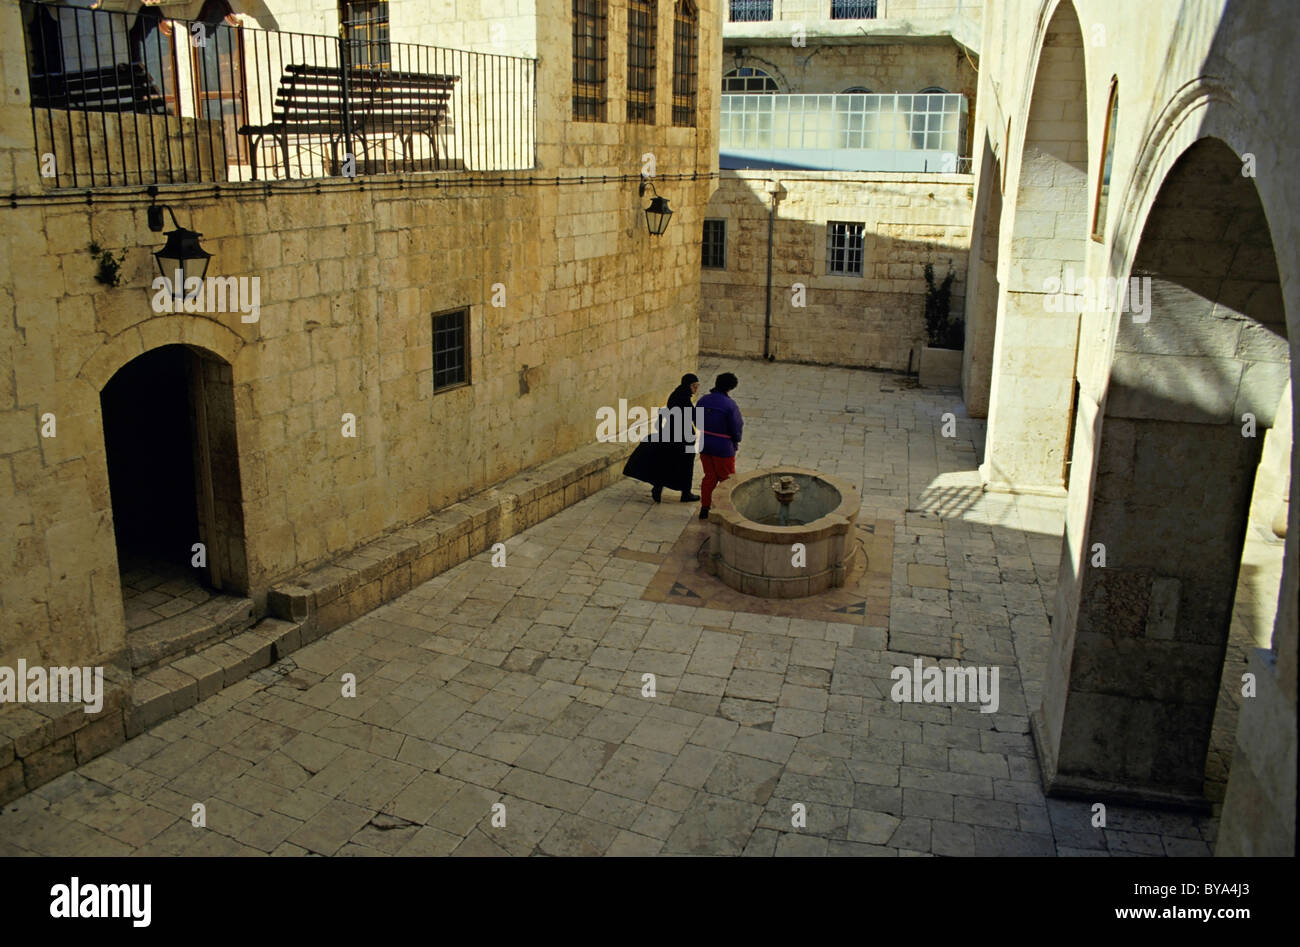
[844, 248]
[450, 349]
[714, 254]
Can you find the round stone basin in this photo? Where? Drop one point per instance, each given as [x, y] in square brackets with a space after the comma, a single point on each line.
[750, 551]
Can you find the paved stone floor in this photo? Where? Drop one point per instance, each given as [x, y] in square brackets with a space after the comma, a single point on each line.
[153, 591]
[522, 685]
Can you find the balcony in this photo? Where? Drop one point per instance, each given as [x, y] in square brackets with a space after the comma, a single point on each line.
[124, 99]
[902, 133]
[765, 22]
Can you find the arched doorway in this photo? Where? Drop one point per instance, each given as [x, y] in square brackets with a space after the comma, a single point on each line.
[1139, 638]
[173, 472]
[1031, 396]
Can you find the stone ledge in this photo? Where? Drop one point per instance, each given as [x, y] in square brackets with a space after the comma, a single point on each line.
[333, 594]
[39, 742]
[184, 682]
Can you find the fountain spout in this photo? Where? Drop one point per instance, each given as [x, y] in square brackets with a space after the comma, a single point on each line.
[785, 490]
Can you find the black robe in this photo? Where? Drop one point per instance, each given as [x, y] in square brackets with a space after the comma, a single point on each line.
[667, 463]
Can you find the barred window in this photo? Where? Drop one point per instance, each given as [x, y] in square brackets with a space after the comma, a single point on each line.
[642, 27]
[748, 79]
[844, 248]
[853, 9]
[714, 254]
[450, 349]
[365, 32]
[686, 42]
[589, 40]
[750, 11]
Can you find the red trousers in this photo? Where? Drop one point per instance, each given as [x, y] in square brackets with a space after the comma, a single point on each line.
[716, 470]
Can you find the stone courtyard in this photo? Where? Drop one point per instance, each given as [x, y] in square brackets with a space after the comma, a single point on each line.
[523, 685]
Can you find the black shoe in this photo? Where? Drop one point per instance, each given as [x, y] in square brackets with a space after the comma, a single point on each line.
[656, 494]
[689, 497]
[704, 512]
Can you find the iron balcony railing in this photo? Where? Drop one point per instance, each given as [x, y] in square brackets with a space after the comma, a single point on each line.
[846, 132]
[137, 98]
[750, 11]
[853, 9]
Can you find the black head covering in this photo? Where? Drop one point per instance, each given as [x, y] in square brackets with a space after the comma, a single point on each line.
[690, 379]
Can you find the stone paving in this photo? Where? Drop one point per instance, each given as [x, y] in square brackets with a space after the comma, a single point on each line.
[523, 685]
[155, 591]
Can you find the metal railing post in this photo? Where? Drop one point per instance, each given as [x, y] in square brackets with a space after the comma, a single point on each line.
[344, 68]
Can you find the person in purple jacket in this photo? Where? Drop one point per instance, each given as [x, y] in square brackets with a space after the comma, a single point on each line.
[722, 429]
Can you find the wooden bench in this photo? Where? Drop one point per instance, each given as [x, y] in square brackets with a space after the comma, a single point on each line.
[123, 87]
[311, 100]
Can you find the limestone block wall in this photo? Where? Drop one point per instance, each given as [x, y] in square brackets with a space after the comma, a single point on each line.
[961, 18]
[1184, 71]
[111, 150]
[592, 309]
[872, 321]
[894, 67]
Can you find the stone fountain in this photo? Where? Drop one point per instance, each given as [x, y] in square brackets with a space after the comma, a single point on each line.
[757, 518]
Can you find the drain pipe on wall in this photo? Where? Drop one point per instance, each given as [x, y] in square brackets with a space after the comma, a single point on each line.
[774, 189]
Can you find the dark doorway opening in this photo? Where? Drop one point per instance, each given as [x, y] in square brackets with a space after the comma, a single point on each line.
[149, 435]
[173, 481]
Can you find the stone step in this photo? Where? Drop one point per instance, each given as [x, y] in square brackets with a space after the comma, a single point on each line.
[179, 684]
[216, 619]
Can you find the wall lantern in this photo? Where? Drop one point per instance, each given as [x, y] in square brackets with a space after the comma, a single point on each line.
[182, 258]
[657, 214]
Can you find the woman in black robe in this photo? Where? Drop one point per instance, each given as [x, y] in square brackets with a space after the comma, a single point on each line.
[668, 460]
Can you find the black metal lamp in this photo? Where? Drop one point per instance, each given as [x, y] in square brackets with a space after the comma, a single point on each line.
[657, 214]
[182, 258]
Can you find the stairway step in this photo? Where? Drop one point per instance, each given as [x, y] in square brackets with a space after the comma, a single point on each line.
[218, 618]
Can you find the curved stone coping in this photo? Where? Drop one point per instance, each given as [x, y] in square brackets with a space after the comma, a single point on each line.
[838, 520]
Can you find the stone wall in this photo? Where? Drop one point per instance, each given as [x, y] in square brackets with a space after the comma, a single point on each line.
[875, 320]
[894, 67]
[592, 309]
[1185, 72]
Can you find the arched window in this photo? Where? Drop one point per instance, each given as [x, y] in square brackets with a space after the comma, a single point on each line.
[1107, 159]
[748, 79]
[934, 90]
[856, 90]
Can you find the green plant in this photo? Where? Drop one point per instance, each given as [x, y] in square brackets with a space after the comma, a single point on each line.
[110, 267]
[943, 331]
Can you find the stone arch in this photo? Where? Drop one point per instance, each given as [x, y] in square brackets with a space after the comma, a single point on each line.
[982, 285]
[769, 69]
[1032, 391]
[157, 331]
[188, 454]
[1139, 637]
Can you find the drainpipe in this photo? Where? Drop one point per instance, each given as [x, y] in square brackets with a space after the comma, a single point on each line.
[773, 188]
